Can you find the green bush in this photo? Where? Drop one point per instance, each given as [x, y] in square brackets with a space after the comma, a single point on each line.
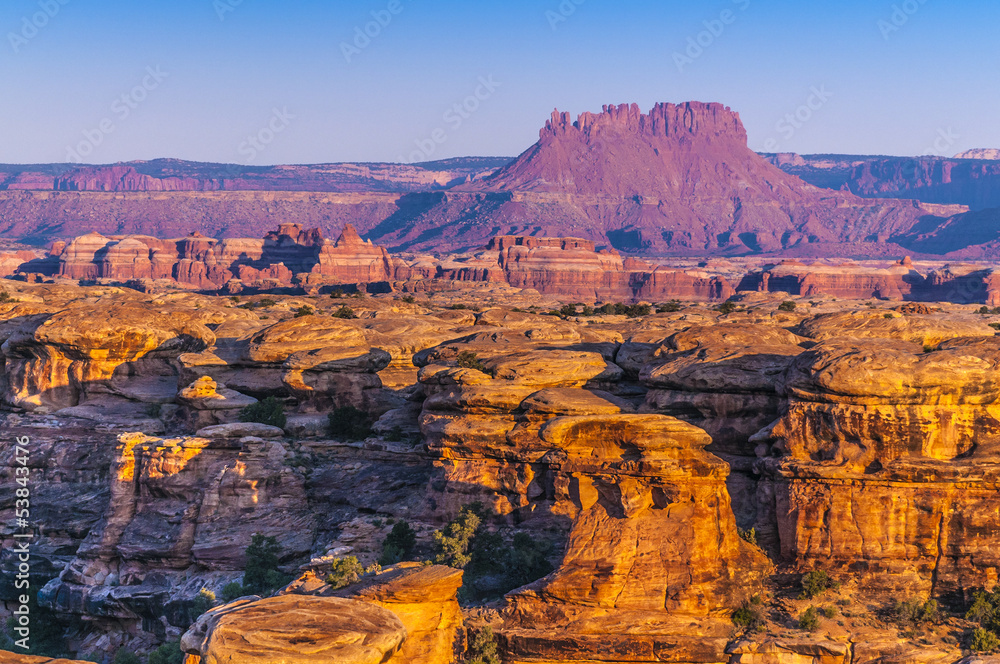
[469, 360]
[168, 653]
[458, 307]
[304, 310]
[670, 307]
[913, 612]
[750, 616]
[748, 535]
[398, 544]
[726, 308]
[5, 298]
[408, 299]
[350, 423]
[787, 305]
[453, 543]
[202, 603]
[815, 584]
[492, 566]
[232, 590]
[127, 657]
[269, 411]
[829, 612]
[344, 572]
[483, 647]
[809, 620]
[632, 311]
[985, 610]
[345, 312]
[984, 640]
[262, 576]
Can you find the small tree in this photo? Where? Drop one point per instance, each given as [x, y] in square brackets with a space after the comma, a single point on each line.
[345, 312]
[787, 305]
[727, 308]
[398, 544]
[232, 590]
[469, 360]
[750, 616]
[983, 640]
[202, 603]
[304, 310]
[269, 411]
[483, 648]
[816, 583]
[168, 653]
[350, 423]
[262, 576]
[452, 544]
[670, 307]
[127, 657]
[809, 620]
[344, 572]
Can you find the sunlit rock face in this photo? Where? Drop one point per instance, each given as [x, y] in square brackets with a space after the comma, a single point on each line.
[59, 360]
[174, 504]
[885, 463]
[654, 539]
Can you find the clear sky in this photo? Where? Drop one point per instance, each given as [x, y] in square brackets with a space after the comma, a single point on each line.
[298, 81]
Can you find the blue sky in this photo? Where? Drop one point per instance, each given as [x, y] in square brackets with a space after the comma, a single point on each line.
[262, 81]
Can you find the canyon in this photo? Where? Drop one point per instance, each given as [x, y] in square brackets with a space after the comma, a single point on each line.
[849, 436]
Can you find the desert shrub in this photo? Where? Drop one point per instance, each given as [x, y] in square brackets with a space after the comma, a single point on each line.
[350, 423]
[913, 612]
[567, 310]
[126, 657]
[398, 544]
[632, 311]
[787, 305]
[345, 312]
[809, 620]
[983, 640]
[231, 591]
[168, 653]
[985, 610]
[669, 307]
[816, 583]
[726, 308]
[748, 535]
[6, 298]
[304, 310]
[344, 572]
[829, 612]
[202, 603]
[452, 544]
[587, 310]
[750, 616]
[888, 316]
[336, 294]
[395, 435]
[995, 326]
[492, 566]
[469, 360]
[262, 576]
[408, 299]
[269, 411]
[483, 647]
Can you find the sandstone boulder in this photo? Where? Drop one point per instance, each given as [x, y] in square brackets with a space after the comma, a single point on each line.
[296, 629]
